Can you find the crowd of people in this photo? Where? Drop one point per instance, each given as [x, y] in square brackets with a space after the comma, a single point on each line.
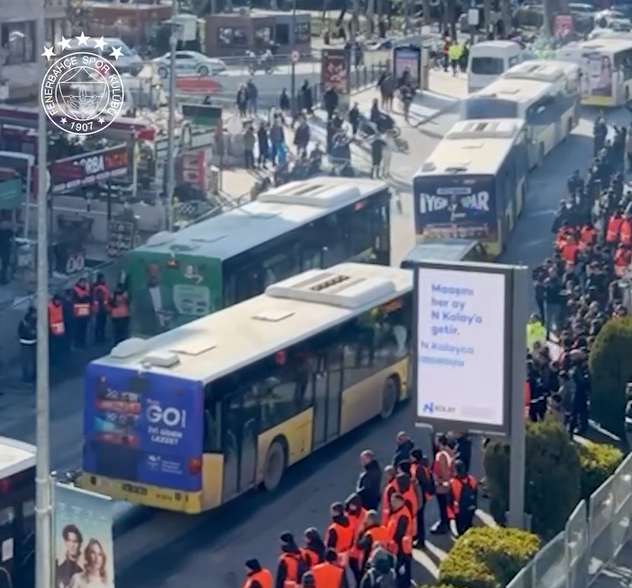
[71, 315]
[370, 539]
[578, 288]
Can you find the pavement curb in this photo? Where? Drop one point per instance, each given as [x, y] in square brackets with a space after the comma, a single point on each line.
[437, 114]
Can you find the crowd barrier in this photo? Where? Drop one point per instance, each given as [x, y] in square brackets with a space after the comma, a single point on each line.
[594, 534]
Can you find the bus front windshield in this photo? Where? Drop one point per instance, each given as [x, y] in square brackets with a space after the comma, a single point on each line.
[478, 107]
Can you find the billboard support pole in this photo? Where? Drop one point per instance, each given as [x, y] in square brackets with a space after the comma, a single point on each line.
[43, 505]
[517, 359]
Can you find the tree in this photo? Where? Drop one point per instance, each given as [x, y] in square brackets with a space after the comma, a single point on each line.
[611, 370]
[552, 469]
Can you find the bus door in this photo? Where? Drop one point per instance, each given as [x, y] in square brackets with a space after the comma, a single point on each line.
[241, 428]
[328, 397]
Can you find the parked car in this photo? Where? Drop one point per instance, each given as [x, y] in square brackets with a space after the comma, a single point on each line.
[129, 62]
[191, 63]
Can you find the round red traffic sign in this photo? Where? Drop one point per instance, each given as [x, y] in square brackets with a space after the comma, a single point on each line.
[295, 56]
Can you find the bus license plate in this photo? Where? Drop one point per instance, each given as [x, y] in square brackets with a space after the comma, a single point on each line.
[132, 489]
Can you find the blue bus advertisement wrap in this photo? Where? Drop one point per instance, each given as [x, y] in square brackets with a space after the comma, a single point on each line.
[458, 206]
[143, 427]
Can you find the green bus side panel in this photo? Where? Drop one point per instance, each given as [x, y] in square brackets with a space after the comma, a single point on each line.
[168, 291]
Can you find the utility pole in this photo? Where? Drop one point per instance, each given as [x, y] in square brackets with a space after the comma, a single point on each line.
[170, 176]
[352, 44]
[43, 506]
[293, 65]
[406, 16]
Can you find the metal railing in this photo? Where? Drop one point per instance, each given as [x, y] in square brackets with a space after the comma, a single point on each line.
[594, 534]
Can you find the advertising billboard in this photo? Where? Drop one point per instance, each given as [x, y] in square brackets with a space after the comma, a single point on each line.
[463, 334]
[83, 542]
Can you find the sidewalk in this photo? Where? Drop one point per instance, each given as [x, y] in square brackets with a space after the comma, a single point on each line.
[619, 573]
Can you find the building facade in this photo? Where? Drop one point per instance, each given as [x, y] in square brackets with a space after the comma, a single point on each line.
[19, 52]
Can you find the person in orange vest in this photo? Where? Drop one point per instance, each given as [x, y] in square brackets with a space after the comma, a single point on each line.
[119, 311]
[622, 259]
[613, 226]
[406, 488]
[563, 232]
[356, 515]
[625, 230]
[340, 534]
[314, 550]
[463, 498]
[292, 564]
[442, 470]
[100, 308]
[81, 305]
[421, 472]
[256, 576]
[56, 329]
[373, 535]
[329, 574]
[587, 235]
[400, 532]
[570, 250]
[390, 488]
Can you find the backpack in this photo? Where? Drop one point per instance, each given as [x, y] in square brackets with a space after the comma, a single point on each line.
[388, 580]
[468, 501]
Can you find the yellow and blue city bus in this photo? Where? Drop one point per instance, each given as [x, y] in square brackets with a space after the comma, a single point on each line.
[192, 418]
[474, 184]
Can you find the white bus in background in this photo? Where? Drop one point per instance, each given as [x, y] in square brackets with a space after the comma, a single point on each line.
[488, 60]
[550, 115]
[474, 184]
[606, 65]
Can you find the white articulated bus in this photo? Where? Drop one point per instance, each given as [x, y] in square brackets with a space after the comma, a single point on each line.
[473, 185]
[550, 115]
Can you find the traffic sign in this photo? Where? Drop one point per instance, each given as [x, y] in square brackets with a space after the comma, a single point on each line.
[295, 56]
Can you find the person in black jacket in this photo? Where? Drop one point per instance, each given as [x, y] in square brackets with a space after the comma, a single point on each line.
[463, 449]
[369, 486]
[403, 449]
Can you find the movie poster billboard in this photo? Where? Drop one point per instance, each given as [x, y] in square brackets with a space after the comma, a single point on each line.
[82, 539]
[563, 27]
[407, 61]
[597, 78]
[334, 73]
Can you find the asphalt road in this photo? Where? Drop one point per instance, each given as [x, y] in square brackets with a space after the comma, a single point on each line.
[171, 550]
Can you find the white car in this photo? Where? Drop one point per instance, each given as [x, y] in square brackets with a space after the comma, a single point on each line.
[189, 62]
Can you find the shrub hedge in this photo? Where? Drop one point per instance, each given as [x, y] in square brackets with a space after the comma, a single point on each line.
[610, 370]
[598, 462]
[487, 557]
[552, 465]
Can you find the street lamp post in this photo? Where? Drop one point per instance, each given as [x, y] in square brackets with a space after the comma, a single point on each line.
[43, 572]
[171, 164]
[293, 62]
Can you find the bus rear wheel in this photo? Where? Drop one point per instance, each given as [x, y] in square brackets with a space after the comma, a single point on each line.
[274, 468]
[390, 395]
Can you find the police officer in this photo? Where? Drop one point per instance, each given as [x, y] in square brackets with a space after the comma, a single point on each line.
[81, 300]
[256, 576]
[100, 308]
[27, 332]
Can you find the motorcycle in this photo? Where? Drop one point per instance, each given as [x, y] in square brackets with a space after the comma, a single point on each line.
[259, 64]
[385, 126]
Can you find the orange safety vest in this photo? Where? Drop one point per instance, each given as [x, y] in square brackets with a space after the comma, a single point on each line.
[414, 468]
[406, 546]
[625, 232]
[569, 252]
[310, 556]
[56, 319]
[81, 309]
[121, 306]
[588, 235]
[356, 521]
[264, 577]
[438, 474]
[612, 229]
[378, 535]
[291, 561]
[410, 498]
[621, 262]
[345, 537]
[327, 575]
[105, 297]
[456, 486]
[386, 500]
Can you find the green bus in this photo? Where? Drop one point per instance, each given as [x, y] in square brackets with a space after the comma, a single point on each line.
[317, 223]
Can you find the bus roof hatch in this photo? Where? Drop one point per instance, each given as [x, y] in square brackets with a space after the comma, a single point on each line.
[326, 287]
[317, 196]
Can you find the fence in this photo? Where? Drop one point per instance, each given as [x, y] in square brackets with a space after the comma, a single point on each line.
[594, 534]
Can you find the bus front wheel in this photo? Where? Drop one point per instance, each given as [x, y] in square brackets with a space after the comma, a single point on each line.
[275, 463]
[390, 395]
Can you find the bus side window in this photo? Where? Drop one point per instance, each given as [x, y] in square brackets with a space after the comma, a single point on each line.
[212, 427]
